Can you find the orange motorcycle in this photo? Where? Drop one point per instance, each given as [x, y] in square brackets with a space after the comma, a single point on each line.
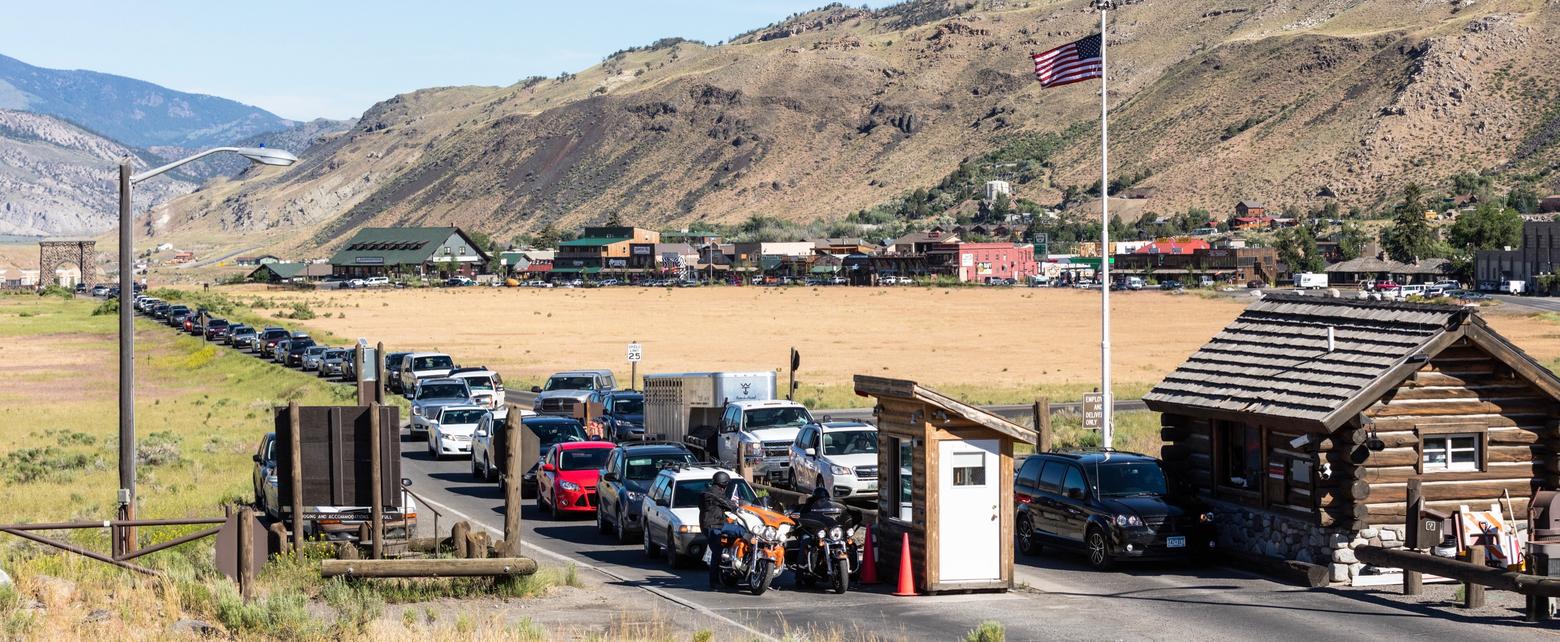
[754, 541]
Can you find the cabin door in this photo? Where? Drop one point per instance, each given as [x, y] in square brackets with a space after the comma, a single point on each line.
[969, 511]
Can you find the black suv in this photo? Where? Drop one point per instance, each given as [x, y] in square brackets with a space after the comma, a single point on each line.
[1112, 505]
[299, 344]
[630, 469]
[622, 414]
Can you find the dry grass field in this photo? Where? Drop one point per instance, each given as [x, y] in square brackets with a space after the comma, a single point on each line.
[986, 345]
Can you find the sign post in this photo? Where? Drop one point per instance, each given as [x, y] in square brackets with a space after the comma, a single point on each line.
[635, 354]
[1093, 411]
[796, 362]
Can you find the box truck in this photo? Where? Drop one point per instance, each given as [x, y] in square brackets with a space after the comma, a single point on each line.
[726, 417]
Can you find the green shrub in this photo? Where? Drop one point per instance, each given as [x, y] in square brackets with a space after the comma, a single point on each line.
[41, 464]
[110, 306]
[55, 290]
[301, 311]
[988, 631]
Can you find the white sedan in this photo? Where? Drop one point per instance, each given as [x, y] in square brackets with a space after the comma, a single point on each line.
[451, 434]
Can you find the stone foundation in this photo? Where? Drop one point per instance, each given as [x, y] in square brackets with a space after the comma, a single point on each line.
[1268, 534]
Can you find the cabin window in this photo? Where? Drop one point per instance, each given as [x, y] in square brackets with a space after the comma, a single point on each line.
[900, 485]
[1451, 453]
[1240, 456]
[969, 469]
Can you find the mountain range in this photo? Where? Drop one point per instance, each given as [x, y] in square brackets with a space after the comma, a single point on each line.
[133, 112]
[842, 109]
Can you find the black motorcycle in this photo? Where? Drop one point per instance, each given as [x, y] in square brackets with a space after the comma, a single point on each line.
[825, 549]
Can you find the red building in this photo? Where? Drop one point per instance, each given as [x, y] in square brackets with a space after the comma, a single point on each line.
[1172, 246]
[982, 262]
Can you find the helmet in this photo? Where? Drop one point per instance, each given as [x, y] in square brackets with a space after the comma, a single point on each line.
[721, 479]
[820, 493]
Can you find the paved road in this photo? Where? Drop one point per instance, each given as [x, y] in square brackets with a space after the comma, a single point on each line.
[1542, 304]
[1062, 599]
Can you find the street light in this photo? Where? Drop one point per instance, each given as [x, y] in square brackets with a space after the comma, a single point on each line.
[259, 155]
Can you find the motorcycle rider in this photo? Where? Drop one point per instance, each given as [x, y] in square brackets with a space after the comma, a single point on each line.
[713, 506]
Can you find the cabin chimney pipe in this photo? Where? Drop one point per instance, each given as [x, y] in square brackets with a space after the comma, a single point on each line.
[1330, 339]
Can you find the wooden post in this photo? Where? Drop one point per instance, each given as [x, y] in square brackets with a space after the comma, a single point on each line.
[379, 369]
[278, 541]
[1473, 594]
[512, 478]
[295, 448]
[1043, 425]
[478, 544]
[460, 536]
[375, 469]
[365, 534]
[1413, 581]
[497, 567]
[246, 553]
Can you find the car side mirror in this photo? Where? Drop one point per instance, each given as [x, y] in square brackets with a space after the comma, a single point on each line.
[1075, 493]
[406, 483]
[255, 457]
[609, 476]
[549, 468]
[811, 452]
[536, 388]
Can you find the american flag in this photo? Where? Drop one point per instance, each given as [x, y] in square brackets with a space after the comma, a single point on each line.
[1069, 63]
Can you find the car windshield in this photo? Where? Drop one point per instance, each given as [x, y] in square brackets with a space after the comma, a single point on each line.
[629, 406]
[552, 432]
[686, 493]
[316, 350]
[461, 416]
[300, 344]
[436, 362]
[850, 442]
[479, 383]
[645, 468]
[442, 391]
[1128, 480]
[583, 458]
[570, 383]
[336, 354]
[787, 417]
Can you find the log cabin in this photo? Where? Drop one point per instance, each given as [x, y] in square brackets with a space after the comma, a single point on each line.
[1303, 420]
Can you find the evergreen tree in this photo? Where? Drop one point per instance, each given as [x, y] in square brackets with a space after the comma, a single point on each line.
[1409, 238]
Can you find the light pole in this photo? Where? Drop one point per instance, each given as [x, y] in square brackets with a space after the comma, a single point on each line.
[260, 155]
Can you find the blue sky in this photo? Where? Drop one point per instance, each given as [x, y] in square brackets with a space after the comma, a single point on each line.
[335, 58]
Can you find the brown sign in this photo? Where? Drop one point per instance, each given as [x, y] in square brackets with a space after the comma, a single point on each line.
[227, 545]
[1093, 410]
[334, 456]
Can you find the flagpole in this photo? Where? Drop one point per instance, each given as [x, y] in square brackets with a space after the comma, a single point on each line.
[1107, 418]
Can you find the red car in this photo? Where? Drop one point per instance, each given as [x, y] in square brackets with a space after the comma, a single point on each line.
[567, 481]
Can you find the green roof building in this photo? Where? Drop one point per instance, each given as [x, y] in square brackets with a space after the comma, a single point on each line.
[412, 251]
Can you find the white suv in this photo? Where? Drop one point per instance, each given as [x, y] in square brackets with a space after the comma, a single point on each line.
[670, 510]
[838, 455]
[487, 389]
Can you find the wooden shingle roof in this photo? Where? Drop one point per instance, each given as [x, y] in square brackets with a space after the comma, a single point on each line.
[1273, 360]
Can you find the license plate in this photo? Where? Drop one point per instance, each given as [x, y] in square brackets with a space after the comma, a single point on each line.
[1175, 542]
[872, 486]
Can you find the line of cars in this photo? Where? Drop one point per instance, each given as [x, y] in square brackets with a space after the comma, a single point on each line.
[1109, 506]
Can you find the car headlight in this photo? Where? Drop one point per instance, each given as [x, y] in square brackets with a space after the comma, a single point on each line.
[568, 485]
[632, 496]
[416, 411]
[1206, 518]
[1128, 520]
[836, 533]
[841, 470]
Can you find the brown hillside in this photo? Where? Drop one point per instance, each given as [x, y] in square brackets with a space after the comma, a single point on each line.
[842, 109]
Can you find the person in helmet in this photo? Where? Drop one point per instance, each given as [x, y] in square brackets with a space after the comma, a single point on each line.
[713, 505]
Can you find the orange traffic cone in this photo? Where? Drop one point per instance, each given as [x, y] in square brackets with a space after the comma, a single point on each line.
[869, 561]
[906, 580]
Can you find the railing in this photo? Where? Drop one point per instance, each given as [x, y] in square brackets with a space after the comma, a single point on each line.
[120, 559]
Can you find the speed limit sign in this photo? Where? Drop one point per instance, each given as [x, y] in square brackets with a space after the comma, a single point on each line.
[635, 353]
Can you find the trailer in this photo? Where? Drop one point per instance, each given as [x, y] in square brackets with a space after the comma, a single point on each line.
[1311, 280]
[686, 407]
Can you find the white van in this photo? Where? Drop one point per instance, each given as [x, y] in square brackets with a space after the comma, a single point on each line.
[377, 282]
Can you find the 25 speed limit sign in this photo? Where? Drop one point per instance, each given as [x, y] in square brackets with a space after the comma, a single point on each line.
[635, 353]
